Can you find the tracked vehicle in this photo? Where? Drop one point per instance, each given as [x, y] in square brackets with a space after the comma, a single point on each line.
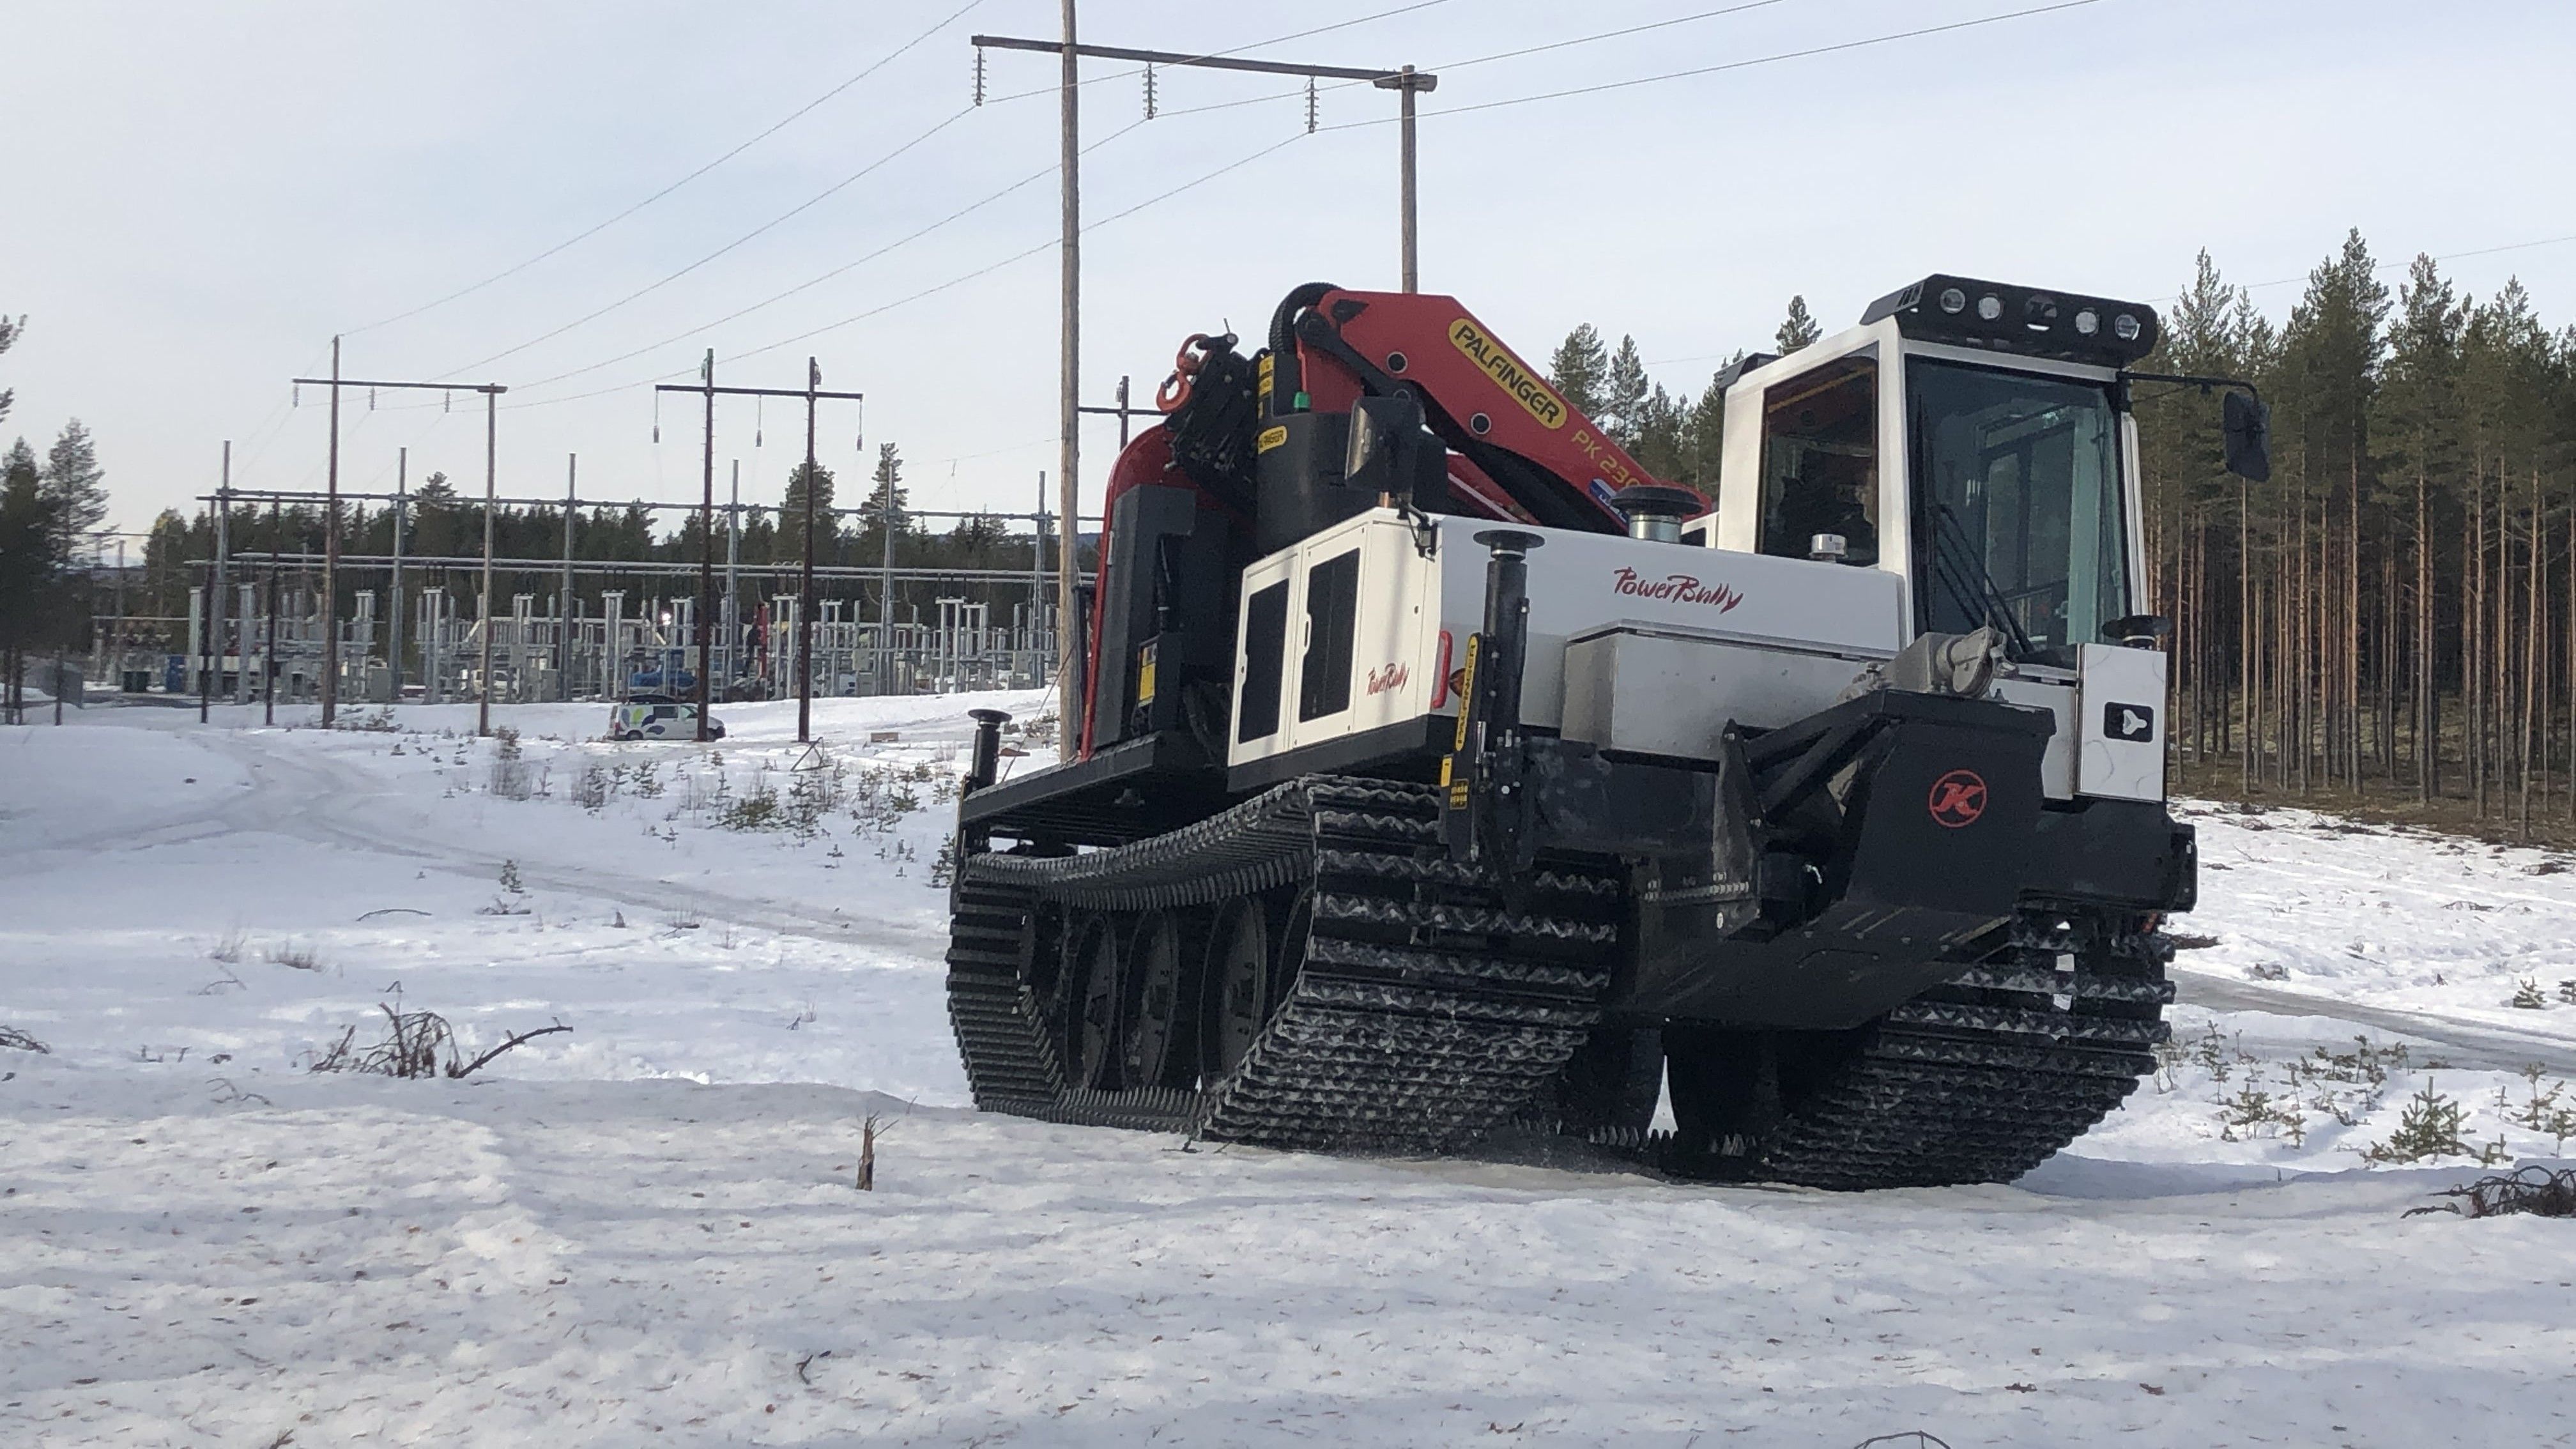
[1439, 771]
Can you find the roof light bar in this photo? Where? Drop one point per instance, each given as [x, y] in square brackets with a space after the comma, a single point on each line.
[1965, 312]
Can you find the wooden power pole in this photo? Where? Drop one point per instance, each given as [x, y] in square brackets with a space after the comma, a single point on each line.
[812, 392]
[1406, 82]
[331, 548]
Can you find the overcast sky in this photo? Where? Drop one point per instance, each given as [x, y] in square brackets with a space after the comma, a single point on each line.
[197, 196]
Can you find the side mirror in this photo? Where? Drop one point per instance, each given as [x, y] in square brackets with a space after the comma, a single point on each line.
[2139, 631]
[2247, 425]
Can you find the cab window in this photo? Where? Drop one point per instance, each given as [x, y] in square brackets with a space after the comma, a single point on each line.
[1820, 460]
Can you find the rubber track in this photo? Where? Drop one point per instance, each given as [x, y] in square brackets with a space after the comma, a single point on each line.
[1980, 1079]
[1426, 1010]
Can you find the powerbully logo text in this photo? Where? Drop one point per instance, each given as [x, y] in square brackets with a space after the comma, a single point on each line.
[1678, 589]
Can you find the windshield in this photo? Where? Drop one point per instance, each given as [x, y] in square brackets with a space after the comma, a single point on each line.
[2018, 506]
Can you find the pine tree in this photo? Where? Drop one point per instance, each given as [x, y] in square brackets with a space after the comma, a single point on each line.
[1624, 398]
[35, 573]
[889, 476]
[75, 484]
[9, 333]
[789, 546]
[1704, 433]
[1798, 330]
[870, 540]
[1579, 368]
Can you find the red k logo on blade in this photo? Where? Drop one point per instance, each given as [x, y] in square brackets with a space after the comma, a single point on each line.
[1958, 798]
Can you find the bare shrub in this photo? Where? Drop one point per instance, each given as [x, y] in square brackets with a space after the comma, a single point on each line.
[226, 948]
[416, 1044]
[2527, 995]
[17, 1040]
[295, 956]
[2538, 1190]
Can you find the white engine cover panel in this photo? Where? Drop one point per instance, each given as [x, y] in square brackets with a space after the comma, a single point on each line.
[1667, 692]
[2119, 722]
[1581, 582]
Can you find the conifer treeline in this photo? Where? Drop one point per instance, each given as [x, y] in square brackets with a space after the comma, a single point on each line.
[2393, 615]
[2395, 612]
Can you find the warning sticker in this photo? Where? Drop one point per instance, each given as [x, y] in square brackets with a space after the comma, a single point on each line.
[1269, 439]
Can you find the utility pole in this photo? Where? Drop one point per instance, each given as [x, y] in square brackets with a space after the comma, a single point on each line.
[1037, 566]
[812, 393]
[1406, 82]
[491, 472]
[805, 576]
[331, 549]
[215, 605]
[565, 610]
[331, 558]
[706, 555]
[394, 620]
[885, 599]
[732, 620]
[268, 649]
[1068, 458]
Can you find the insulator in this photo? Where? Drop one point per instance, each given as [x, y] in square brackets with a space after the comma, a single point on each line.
[447, 402]
[296, 399]
[1149, 92]
[371, 399]
[979, 75]
[1310, 105]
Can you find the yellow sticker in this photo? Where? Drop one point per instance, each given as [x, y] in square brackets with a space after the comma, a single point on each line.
[1265, 382]
[1270, 438]
[1466, 694]
[1445, 762]
[1145, 675]
[1508, 372]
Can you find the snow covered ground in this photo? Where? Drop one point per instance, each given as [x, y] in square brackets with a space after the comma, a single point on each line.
[645, 1230]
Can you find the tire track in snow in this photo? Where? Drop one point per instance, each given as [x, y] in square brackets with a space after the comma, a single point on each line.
[322, 800]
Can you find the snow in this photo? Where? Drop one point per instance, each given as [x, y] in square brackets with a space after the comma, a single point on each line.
[646, 1229]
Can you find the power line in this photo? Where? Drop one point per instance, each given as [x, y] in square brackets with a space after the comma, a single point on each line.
[1231, 51]
[1702, 70]
[654, 286]
[791, 118]
[1450, 65]
[2393, 263]
[933, 290]
[1489, 105]
[833, 189]
[1049, 245]
[811, 282]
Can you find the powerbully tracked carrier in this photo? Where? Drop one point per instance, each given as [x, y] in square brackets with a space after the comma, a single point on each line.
[1440, 771]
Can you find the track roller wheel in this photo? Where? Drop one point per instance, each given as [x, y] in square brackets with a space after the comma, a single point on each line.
[1238, 974]
[1091, 1022]
[1158, 1031]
